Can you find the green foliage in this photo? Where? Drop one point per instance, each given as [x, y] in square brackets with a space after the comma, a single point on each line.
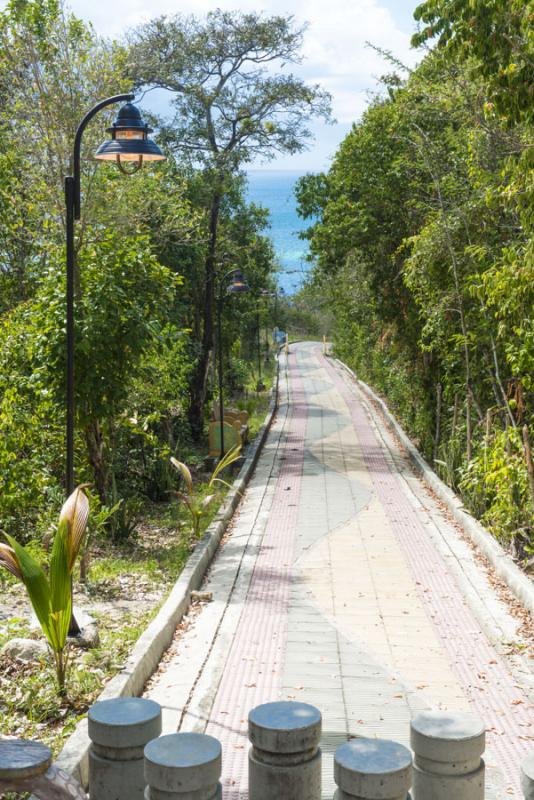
[144, 246]
[32, 707]
[496, 36]
[496, 485]
[421, 234]
[50, 595]
[229, 107]
[198, 502]
[234, 103]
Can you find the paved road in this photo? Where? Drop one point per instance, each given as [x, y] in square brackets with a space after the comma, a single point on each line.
[343, 584]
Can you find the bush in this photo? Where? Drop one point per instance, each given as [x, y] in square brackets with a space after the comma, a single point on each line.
[495, 487]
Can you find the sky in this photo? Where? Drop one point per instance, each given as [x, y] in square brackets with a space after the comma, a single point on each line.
[335, 51]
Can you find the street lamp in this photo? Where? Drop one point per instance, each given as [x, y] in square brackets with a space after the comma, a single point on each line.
[238, 285]
[129, 144]
[260, 386]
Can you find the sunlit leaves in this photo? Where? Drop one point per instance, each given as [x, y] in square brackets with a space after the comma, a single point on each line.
[497, 39]
[50, 595]
[230, 108]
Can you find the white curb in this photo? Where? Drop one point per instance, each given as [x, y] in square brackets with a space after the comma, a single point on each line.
[516, 580]
[153, 642]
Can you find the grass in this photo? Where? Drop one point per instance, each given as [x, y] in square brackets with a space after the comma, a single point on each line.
[31, 707]
[139, 572]
[256, 404]
[127, 582]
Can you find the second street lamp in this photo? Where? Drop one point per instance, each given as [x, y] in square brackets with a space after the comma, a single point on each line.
[260, 386]
[238, 285]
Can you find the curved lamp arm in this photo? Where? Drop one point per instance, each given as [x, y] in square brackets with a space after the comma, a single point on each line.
[117, 98]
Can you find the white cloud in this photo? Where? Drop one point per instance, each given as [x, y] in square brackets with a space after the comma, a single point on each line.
[335, 50]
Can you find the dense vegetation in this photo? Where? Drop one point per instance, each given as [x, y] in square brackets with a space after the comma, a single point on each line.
[150, 247]
[422, 237]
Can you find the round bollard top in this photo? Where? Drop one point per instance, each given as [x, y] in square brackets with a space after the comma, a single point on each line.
[124, 722]
[285, 727]
[374, 768]
[183, 762]
[20, 759]
[445, 736]
[527, 777]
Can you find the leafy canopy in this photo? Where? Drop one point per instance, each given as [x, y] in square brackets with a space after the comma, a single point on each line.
[232, 102]
[498, 35]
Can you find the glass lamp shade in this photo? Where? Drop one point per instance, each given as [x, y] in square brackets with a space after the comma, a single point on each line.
[129, 139]
[239, 284]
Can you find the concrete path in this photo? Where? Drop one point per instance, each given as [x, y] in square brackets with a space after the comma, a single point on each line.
[343, 584]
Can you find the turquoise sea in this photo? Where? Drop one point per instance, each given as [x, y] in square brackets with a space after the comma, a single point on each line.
[273, 189]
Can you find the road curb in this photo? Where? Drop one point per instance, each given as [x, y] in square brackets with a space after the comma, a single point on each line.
[153, 642]
[518, 583]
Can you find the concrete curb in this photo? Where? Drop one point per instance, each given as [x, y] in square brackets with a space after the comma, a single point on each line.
[153, 642]
[518, 583]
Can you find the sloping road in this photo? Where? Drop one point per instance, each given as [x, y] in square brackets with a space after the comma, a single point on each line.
[343, 584]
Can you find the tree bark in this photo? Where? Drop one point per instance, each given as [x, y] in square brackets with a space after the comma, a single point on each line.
[437, 434]
[199, 381]
[455, 415]
[530, 462]
[95, 453]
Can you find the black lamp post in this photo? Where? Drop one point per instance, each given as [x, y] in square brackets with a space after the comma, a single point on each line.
[260, 386]
[238, 285]
[129, 144]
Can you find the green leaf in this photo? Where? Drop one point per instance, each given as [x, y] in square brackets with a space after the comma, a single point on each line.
[183, 469]
[60, 585]
[231, 456]
[224, 483]
[37, 585]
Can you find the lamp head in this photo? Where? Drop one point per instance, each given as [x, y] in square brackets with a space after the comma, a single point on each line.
[129, 141]
[239, 284]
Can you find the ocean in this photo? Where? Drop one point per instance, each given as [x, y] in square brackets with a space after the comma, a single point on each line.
[273, 189]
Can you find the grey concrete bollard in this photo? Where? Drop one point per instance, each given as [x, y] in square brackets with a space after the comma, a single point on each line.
[27, 767]
[527, 777]
[119, 729]
[183, 766]
[447, 756]
[372, 769]
[285, 759]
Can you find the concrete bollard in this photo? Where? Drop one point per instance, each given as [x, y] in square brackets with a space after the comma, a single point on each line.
[372, 769]
[447, 756]
[183, 766]
[285, 759]
[527, 777]
[119, 729]
[27, 767]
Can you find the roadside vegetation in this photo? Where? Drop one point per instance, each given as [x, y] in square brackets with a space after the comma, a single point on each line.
[151, 248]
[125, 583]
[422, 238]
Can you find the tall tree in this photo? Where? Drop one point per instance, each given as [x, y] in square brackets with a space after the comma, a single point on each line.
[497, 36]
[233, 105]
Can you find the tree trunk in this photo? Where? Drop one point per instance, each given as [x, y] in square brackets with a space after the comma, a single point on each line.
[487, 439]
[528, 459]
[437, 434]
[455, 415]
[95, 453]
[199, 381]
[468, 430]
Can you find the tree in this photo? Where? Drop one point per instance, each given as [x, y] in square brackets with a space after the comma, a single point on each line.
[497, 36]
[231, 108]
[422, 239]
